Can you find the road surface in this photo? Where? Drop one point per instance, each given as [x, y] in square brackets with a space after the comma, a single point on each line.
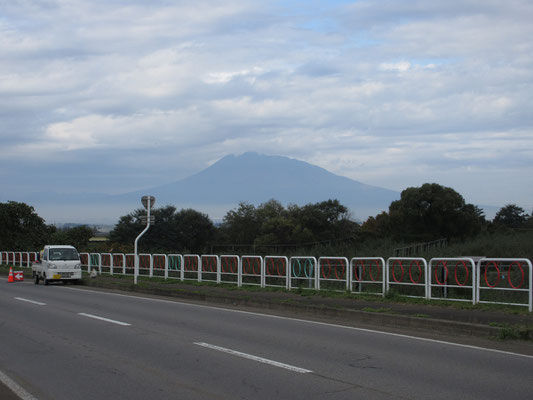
[66, 342]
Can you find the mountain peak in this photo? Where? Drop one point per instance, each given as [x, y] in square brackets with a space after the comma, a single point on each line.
[256, 178]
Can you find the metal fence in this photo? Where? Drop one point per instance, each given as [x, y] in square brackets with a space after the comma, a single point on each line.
[489, 280]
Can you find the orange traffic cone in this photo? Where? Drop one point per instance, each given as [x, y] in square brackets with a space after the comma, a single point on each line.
[10, 277]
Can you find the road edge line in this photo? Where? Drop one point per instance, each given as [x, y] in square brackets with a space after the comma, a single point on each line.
[16, 388]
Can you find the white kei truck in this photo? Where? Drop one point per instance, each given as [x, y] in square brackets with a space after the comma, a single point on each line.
[57, 263]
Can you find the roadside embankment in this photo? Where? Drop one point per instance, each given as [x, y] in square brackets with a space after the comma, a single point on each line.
[452, 318]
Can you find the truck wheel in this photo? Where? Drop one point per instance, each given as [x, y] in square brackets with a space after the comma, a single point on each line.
[36, 278]
[46, 282]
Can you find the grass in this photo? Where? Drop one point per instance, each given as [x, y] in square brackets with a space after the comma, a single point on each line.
[508, 331]
[378, 310]
[421, 316]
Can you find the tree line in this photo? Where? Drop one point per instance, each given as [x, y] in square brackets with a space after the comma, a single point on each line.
[22, 229]
[423, 213]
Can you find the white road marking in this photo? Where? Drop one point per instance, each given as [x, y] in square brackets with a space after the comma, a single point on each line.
[15, 388]
[104, 319]
[254, 358]
[30, 301]
[466, 346]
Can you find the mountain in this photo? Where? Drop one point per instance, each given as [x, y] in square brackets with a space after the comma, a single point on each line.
[255, 178]
[251, 177]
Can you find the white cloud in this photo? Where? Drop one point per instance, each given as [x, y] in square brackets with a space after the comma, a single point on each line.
[380, 91]
[401, 66]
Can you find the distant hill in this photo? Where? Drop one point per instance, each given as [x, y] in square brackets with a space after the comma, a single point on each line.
[257, 178]
[250, 177]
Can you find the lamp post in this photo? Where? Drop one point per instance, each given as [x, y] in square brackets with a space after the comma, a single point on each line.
[148, 203]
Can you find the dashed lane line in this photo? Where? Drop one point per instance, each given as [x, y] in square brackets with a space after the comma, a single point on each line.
[254, 358]
[104, 319]
[30, 301]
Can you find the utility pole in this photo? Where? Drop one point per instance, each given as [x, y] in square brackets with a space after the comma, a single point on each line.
[148, 203]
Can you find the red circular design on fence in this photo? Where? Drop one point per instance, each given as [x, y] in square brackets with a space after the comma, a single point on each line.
[209, 264]
[445, 275]
[232, 261]
[130, 261]
[256, 263]
[269, 263]
[117, 261]
[191, 264]
[159, 262]
[463, 263]
[144, 262]
[509, 275]
[339, 263]
[329, 270]
[497, 271]
[282, 264]
[273, 266]
[378, 265]
[250, 262]
[417, 263]
[394, 275]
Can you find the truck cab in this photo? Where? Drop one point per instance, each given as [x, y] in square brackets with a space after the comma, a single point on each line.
[57, 263]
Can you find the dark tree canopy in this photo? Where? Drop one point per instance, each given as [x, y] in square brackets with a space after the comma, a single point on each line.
[511, 216]
[272, 224]
[187, 230]
[77, 236]
[431, 212]
[21, 229]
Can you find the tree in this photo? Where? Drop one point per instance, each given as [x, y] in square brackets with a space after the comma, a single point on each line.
[240, 226]
[77, 236]
[511, 216]
[186, 230]
[378, 226]
[195, 230]
[327, 220]
[21, 228]
[431, 212]
[272, 224]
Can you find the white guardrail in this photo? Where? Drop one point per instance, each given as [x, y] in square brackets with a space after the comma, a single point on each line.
[490, 280]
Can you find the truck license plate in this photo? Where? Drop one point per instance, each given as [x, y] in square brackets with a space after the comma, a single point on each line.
[56, 276]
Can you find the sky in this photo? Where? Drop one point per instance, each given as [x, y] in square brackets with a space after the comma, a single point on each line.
[112, 96]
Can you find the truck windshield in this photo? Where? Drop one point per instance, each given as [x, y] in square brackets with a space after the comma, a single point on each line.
[63, 254]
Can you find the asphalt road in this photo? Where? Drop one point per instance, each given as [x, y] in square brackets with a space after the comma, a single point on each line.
[64, 342]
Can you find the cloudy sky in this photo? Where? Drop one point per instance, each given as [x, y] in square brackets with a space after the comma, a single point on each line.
[117, 95]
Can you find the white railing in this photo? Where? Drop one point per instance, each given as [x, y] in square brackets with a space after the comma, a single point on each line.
[452, 279]
[106, 260]
[276, 272]
[159, 265]
[146, 266]
[504, 281]
[303, 272]
[118, 261]
[210, 271]
[407, 272]
[95, 261]
[192, 267]
[252, 271]
[334, 272]
[175, 267]
[368, 275]
[230, 269]
[490, 280]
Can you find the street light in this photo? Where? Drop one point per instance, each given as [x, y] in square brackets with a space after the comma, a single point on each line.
[148, 202]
